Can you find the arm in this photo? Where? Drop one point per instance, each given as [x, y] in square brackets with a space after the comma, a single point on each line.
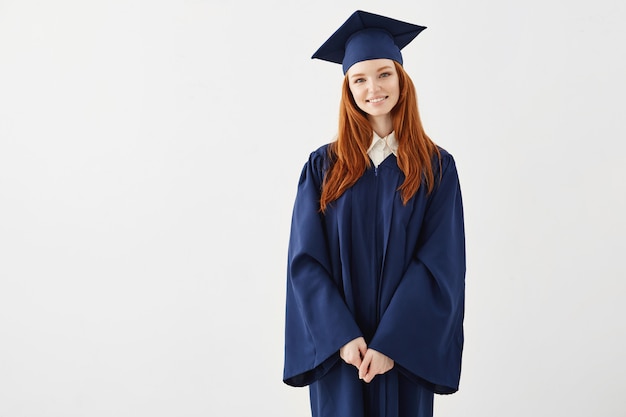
[422, 327]
[318, 322]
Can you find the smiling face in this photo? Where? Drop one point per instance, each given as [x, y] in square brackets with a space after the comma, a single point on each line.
[374, 86]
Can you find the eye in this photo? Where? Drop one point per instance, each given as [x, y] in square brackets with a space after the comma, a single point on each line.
[359, 80]
[385, 75]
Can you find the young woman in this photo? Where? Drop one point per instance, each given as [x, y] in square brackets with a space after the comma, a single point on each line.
[376, 262]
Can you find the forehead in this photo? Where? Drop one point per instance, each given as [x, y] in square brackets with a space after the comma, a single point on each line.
[371, 65]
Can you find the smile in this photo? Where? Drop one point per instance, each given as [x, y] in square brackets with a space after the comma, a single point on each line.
[377, 100]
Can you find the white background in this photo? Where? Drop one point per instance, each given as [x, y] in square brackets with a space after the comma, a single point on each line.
[149, 156]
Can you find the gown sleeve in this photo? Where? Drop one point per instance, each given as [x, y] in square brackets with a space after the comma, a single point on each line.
[317, 322]
[422, 327]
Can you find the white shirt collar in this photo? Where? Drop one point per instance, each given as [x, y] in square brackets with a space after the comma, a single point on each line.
[389, 141]
[381, 148]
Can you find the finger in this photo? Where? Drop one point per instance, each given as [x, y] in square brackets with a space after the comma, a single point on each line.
[368, 378]
[374, 367]
[348, 354]
[367, 360]
[355, 357]
[370, 374]
[362, 350]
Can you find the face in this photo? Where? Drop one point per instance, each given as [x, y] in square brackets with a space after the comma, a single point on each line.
[375, 86]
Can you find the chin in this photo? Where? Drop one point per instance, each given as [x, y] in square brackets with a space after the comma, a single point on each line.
[380, 112]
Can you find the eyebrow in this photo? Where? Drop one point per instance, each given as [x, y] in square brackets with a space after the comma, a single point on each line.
[378, 70]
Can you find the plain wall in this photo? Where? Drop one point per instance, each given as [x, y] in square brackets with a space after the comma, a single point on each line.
[149, 157]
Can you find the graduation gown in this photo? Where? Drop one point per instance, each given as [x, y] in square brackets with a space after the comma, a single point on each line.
[373, 267]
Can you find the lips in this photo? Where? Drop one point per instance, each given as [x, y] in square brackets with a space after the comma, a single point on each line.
[376, 100]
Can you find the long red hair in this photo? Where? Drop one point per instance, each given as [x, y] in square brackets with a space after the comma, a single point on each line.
[348, 154]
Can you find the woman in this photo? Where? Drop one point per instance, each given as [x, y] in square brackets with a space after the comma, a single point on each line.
[376, 262]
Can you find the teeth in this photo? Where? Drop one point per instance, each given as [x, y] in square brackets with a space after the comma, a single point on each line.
[377, 100]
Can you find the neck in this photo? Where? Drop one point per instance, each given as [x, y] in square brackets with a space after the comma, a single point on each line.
[382, 125]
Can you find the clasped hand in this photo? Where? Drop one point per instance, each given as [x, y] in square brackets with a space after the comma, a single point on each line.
[369, 362]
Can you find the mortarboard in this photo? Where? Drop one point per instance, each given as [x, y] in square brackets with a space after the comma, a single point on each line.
[367, 36]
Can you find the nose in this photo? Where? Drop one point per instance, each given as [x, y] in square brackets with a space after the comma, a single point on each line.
[372, 85]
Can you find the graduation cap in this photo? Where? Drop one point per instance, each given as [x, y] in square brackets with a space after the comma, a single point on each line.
[367, 36]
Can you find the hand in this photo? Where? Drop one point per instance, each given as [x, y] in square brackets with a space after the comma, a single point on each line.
[374, 363]
[352, 352]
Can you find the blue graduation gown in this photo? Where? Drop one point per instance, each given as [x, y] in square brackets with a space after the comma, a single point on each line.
[373, 267]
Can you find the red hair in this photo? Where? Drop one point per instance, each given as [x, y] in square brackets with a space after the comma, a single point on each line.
[348, 154]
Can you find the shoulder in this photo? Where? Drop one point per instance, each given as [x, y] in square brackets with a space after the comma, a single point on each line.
[320, 154]
[319, 159]
[446, 160]
[316, 164]
[444, 167]
[444, 154]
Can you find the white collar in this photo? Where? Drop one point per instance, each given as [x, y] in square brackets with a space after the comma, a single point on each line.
[390, 141]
